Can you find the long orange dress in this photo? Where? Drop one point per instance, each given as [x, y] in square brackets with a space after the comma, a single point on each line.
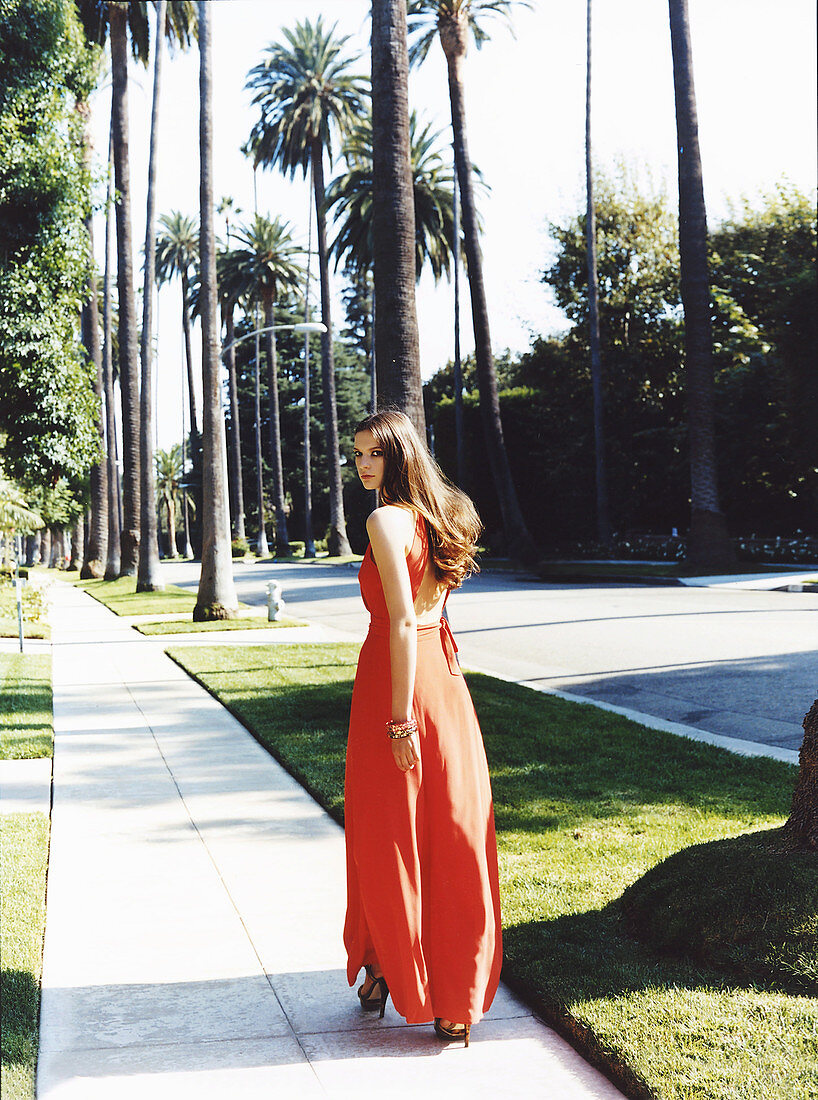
[422, 889]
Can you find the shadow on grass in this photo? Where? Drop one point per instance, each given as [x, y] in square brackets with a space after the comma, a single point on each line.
[18, 1017]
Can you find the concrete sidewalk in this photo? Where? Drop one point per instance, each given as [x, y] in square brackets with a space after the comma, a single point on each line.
[195, 907]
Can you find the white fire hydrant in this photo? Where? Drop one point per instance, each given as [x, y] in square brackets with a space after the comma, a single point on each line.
[275, 602]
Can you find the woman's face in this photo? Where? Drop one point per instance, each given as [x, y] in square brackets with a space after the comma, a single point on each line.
[369, 460]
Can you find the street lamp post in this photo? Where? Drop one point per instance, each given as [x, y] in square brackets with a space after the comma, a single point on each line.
[305, 327]
[302, 326]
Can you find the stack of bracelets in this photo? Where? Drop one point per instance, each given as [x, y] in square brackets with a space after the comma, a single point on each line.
[397, 730]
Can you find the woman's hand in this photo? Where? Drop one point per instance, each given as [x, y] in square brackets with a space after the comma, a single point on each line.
[405, 751]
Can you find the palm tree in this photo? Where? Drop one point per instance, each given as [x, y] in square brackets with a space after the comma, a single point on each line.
[452, 21]
[149, 578]
[266, 255]
[603, 524]
[128, 370]
[228, 208]
[216, 598]
[709, 544]
[177, 253]
[114, 19]
[168, 470]
[307, 96]
[397, 354]
[93, 565]
[349, 196]
[231, 290]
[114, 542]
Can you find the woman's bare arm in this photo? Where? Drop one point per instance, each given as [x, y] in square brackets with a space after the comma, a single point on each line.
[391, 530]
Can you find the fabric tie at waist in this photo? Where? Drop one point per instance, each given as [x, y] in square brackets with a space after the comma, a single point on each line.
[379, 628]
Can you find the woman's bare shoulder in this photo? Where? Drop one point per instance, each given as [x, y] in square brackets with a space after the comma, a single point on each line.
[391, 522]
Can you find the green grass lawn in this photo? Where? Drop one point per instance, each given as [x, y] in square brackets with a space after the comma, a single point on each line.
[23, 862]
[26, 716]
[121, 597]
[586, 802]
[247, 622]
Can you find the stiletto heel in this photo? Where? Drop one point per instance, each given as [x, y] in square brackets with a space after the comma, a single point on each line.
[452, 1034]
[376, 996]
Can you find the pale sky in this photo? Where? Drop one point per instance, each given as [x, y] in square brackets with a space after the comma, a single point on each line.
[755, 73]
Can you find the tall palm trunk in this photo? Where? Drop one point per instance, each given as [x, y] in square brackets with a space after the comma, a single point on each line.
[309, 542]
[337, 542]
[457, 370]
[78, 543]
[262, 548]
[519, 541]
[93, 565]
[235, 428]
[191, 389]
[216, 597]
[170, 508]
[149, 577]
[195, 438]
[114, 530]
[128, 361]
[603, 523]
[393, 213]
[282, 538]
[45, 547]
[709, 544]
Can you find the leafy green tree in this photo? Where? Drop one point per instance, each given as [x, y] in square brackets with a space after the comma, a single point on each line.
[308, 97]
[453, 22]
[763, 271]
[47, 403]
[16, 515]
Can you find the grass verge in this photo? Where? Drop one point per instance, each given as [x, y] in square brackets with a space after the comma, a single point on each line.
[23, 862]
[585, 802]
[248, 622]
[121, 597]
[26, 715]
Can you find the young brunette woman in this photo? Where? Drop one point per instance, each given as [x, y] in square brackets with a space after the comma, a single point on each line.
[423, 910]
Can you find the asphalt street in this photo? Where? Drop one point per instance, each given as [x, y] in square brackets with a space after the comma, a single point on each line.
[736, 663]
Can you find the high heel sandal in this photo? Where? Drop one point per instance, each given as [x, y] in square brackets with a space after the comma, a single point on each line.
[372, 999]
[452, 1034]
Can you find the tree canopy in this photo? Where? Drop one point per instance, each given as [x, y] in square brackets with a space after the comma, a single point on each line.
[46, 385]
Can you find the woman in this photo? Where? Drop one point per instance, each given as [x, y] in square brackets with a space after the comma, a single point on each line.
[423, 910]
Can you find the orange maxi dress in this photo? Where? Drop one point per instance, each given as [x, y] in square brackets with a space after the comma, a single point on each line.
[422, 888]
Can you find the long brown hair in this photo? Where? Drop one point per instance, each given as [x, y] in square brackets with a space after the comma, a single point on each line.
[414, 480]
